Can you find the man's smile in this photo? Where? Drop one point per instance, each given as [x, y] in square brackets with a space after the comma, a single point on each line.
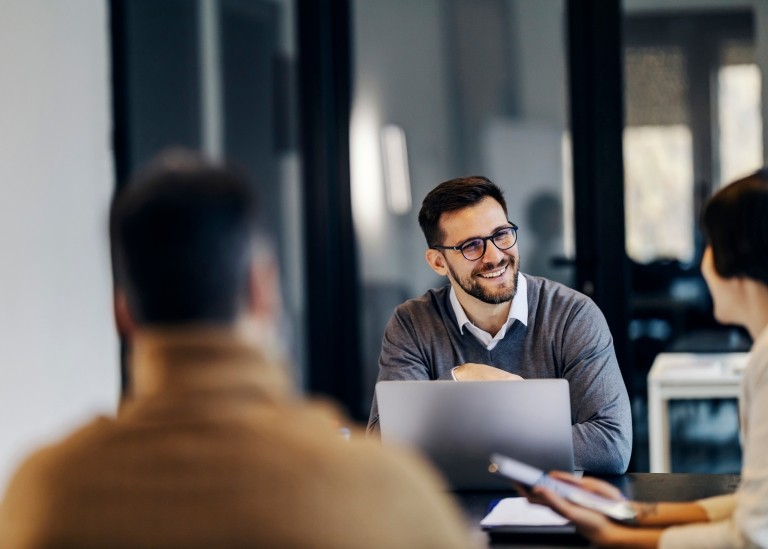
[495, 273]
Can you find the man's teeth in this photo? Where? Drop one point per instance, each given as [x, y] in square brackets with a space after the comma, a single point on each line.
[494, 274]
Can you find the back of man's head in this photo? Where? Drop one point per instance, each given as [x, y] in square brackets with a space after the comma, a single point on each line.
[183, 234]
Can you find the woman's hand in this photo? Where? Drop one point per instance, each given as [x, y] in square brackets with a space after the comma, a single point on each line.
[593, 525]
[597, 486]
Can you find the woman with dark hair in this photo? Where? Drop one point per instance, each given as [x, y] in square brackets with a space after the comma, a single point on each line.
[735, 267]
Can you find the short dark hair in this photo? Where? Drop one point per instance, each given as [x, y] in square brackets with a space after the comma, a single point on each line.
[453, 195]
[182, 234]
[735, 223]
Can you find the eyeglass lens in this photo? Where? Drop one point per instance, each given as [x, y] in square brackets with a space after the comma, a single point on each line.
[503, 239]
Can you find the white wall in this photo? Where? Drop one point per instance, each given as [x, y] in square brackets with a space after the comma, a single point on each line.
[58, 350]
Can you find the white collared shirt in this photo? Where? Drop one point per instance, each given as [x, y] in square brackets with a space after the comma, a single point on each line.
[517, 311]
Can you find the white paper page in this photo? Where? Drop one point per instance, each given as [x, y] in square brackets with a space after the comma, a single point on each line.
[520, 512]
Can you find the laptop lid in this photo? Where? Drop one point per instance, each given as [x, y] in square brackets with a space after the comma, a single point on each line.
[459, 424]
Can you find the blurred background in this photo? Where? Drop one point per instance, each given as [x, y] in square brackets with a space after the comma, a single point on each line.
[606, 123]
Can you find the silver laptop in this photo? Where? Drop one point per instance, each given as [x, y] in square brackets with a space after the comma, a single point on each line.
[458, 425]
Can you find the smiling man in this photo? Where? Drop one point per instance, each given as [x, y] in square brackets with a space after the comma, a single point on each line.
[494, 323]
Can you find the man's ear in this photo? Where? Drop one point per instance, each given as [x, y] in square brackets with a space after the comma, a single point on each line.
[436, 260]
[123, 319]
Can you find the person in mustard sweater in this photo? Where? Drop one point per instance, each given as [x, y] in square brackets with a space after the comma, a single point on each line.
[212, 447]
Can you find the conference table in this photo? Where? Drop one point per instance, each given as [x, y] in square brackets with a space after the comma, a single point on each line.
[637, 486]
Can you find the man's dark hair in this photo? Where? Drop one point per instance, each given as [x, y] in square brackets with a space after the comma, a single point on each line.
[735, 223]
[182, 234]
[453, 195]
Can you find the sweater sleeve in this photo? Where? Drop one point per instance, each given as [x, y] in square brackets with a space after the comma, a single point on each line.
[719, 532]
[708, 535]
[719, 507]
[601, 415]
[400, 358]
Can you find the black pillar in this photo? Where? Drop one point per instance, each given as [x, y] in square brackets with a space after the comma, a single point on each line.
[597, 120]
[334, 367]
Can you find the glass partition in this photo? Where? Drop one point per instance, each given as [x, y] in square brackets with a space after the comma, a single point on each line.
[454, 87]
[693, 123]
[218, 75]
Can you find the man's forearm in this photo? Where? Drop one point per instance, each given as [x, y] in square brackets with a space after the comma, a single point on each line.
[600, 449]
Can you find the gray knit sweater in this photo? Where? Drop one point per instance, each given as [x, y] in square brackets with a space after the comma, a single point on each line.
[566, 337]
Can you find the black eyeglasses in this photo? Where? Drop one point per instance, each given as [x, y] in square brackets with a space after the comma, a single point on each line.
[474, 248]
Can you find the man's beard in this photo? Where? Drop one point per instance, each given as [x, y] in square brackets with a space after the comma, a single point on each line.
[471, 286]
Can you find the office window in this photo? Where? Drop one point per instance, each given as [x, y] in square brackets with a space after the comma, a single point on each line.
[657, 154]
[693, 121]
[658, 197]
[739, 119]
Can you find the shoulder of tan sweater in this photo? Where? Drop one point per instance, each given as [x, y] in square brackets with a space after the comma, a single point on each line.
[402, 479]
[52, 461]
[81, 436]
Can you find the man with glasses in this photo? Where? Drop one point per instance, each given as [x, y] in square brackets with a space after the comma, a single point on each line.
[492, 323]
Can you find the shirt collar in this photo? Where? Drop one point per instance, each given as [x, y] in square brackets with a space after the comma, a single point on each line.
[518, 310]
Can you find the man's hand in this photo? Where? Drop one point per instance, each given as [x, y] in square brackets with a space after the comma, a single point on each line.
[482, 372]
